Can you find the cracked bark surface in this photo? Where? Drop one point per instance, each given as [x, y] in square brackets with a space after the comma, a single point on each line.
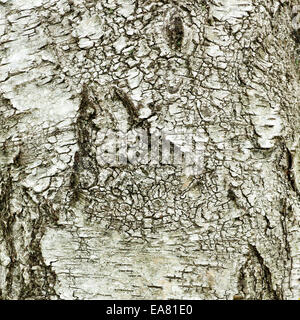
[73, 228]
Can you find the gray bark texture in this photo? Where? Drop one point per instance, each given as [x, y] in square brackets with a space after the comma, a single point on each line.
[72, 227]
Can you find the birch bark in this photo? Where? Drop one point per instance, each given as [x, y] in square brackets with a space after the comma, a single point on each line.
[72, 227]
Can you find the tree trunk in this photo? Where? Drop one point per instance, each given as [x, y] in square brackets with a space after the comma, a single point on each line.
[75, 227]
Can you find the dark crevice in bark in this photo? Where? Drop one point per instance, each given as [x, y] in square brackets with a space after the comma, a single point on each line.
[175, 31]
[6, 222]
[266, 277]
[84, 158]
[128, 104]
[289, 171]
[40, 279]
[285, 212]
[255, 279]
[241, 286]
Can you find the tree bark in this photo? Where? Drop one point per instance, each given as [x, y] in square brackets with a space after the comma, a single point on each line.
[72, 227]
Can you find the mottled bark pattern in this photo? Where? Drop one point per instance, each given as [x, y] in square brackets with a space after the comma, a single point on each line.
[73, 228]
